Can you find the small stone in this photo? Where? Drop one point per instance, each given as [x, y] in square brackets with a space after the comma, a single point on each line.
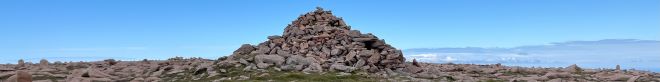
[263, 65]
[21, 63]
[359, 63]
[243, 61]
[335, 52]
[414, 62]
[43, 63]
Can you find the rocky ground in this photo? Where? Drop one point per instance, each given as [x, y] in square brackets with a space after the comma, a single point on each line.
[204, 70]
[316, 47]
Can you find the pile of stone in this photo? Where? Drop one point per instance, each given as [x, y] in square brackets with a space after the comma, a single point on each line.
[315, 42]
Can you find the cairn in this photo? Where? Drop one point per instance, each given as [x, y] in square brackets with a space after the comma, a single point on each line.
[319, 41]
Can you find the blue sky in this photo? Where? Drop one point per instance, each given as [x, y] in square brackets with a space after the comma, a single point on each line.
[33, 29]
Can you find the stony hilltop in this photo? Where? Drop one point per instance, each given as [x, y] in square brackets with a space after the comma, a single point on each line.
[317, 46]
[316, 42]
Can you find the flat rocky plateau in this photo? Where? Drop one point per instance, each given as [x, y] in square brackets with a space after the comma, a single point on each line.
[317, 46]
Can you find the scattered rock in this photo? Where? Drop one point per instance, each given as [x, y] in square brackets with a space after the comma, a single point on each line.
[43, 63]
[21, 63]
[553, 75]
[414, 62]
[573, 69]
[412, 69]
[20, 76]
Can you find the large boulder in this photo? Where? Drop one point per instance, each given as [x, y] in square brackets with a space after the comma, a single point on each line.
[245, 49]
[412, 68]
[20, 76]
[573, 69]
[341, 67]
[414, 62]
[264, 61]
[553, 75]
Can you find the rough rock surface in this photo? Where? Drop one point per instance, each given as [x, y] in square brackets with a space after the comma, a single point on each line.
[20, 76]
[43, 63]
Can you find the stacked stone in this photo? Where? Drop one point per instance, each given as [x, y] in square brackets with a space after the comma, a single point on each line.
[319, 41]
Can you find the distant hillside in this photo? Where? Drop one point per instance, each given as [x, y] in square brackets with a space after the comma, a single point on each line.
[630, 53]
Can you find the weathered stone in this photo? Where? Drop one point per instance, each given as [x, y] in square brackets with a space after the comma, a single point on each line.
[366, 53]
[304, 45]
[412, 69]
[91, 72]
[373, 59]
[245, 49]
[342, 68]
[364, 39]
[295, 60]
[20, 76]
[263, 65]
[43, 63]
[350, 56]
[633, 79]
[552, 75]
[359, 63]
[21, 63]
[414, 62]
[573, 69]
[283, 53]
[326, 50]
[269, 59]
[23, 76]
[355, 33]
[335, 52]
[618, 68]
[243, 61]
[314, 67]
[263, 49]
[274, 37]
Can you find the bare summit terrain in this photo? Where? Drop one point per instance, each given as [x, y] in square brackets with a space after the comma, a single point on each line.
[316, 47]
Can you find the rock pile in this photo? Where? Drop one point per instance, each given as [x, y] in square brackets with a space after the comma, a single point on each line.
[319, 41]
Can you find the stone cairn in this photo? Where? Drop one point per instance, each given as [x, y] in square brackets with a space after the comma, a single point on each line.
[315, 42]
